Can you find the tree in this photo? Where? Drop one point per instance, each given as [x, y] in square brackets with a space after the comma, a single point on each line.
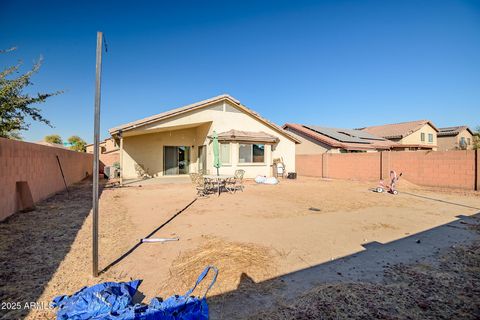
[476, 139]
[77, 144]
[15, 135]
[53, 138]
[15, 104]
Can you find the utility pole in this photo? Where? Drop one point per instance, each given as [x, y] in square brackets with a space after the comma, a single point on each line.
[96, 142]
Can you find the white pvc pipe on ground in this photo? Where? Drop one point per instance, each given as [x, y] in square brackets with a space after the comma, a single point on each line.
[159, 239]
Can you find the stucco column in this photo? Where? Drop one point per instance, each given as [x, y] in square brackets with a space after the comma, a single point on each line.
[268, 160]
[234, 154]
[121, 161]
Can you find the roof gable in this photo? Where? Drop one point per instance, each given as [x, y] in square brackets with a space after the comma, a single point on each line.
[398, 130]
[452, 131]
[196, 106]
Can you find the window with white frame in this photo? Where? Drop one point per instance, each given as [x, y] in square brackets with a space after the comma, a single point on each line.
[251, 153]
[422, 136]
[225, 153]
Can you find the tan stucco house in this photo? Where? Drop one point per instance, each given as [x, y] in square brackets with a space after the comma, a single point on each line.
[411, 135]
[317, 139]
[106, 146]
[455, 138]
[109, 152]
[179, 141]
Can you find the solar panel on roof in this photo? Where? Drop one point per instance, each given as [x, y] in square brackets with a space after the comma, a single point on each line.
[342, 136]
[360, 134]
[448, 129]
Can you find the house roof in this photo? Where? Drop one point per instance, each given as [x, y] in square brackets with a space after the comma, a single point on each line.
[345, 135]
[50, 144]
[195, 106]
[397, 130]
[237, 135]
[100, 142]
[347, 139]
[452, 131]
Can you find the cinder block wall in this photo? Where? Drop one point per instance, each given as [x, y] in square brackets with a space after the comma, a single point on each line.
[310, 165]
[364, 166]
[37, 165]
[108, 159]
[453, 169]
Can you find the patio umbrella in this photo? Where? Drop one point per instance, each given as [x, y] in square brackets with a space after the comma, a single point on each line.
[216, 151]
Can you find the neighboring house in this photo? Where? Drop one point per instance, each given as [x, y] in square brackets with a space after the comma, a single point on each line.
[316, 139]
[50, 144]
[412, 135]
[455, 138]
[109, 151]
[179, 141]
[106, 146]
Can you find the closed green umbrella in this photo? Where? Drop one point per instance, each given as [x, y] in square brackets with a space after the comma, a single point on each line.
[216, 151]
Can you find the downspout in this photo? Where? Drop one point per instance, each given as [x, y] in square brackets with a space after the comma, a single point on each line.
[476, 173]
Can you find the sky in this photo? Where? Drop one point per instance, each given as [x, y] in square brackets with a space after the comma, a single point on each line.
[343, 64]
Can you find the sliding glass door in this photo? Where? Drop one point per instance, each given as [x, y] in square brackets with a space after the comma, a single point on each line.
[176, 160]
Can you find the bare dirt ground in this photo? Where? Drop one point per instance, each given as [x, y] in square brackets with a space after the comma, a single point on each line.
[272, 244]
[446, 289]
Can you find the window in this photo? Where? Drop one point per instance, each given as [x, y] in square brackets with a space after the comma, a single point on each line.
[430, 137]
[251, 153]
[245, 153]
[258, 152]
[468, 141]
[422, 137]
[224, 153]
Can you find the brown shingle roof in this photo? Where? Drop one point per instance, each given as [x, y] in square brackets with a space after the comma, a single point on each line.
[367, 144]
[194, 106]
[397, 130]
[237, 135]
[452, 131]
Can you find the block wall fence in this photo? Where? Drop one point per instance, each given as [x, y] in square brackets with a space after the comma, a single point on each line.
[108, 159]
[30, 172]
[452, 169]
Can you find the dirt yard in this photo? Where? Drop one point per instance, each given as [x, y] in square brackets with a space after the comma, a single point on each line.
[271, 243]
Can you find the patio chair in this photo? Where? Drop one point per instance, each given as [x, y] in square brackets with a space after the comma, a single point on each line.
[278, 168]
[194, 177]
[232, 185]
[201, 185]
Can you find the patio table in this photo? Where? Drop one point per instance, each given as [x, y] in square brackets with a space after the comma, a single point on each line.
[219, 178]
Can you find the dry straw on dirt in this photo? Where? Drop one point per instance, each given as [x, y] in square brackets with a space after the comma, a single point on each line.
[237, 262]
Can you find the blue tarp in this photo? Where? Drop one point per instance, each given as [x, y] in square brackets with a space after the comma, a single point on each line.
[113, 301]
